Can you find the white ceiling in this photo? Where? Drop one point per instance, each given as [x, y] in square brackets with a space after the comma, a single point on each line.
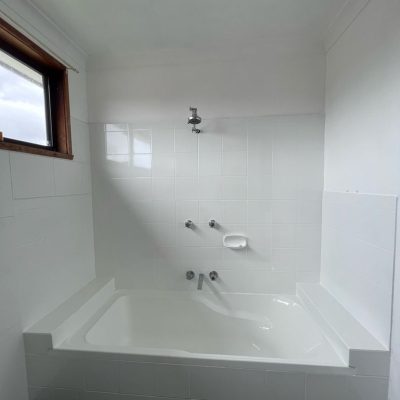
[101, 26]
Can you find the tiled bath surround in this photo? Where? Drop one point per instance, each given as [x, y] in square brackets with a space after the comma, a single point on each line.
[61, 376]
[261, 177]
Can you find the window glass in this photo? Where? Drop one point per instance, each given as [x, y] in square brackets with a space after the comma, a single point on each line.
[22, 102]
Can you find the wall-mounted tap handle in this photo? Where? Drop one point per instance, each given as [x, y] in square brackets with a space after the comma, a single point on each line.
[189, 223]
[213, 275]
[212, 223]
[190, 275]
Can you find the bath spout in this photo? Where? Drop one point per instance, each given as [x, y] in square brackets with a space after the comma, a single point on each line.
[200, 283]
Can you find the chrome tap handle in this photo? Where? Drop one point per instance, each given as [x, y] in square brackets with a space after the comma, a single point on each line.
[190, 275]
[189, 223]
[213, 275]
[212, 223]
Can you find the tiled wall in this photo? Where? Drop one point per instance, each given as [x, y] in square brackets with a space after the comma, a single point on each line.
[261, 177]
[46, 244]
[57, 377]
[358, 244]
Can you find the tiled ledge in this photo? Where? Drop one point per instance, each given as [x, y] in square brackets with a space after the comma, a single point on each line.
[356, 345]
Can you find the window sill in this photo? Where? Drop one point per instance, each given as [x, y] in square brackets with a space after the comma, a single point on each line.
[34, 150]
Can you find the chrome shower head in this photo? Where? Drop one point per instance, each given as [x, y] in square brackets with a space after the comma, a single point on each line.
[194, 119]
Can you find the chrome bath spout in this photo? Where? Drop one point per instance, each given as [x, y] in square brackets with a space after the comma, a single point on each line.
[200, 283]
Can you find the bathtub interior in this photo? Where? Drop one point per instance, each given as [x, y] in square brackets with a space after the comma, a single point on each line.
[252, 326]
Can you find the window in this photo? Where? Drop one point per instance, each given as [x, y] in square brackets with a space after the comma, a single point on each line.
[34, 104]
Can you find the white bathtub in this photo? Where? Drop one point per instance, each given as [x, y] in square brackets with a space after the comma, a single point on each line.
[109, 343]
[200, 325]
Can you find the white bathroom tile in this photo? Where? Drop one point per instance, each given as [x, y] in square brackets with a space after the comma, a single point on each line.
[210, 142]
[186, 189]
[185, 141]
[71, 177]
[259, 187]
[234, 139]
[234, 212]
[210, 164]
[6, 206]
[226, 384]
[55, 372]
[186, 164]
[163, 211]
[331, 387]
[110, 396]
[141, 165]
[163, 165]
[141, 141]
[136, 378]
[163, 188]
[161, 234]
[210, 209]
[162, 141]
[284, 211]
[117, 143]
[67, 394]
[210, 236]
[188, 236]
[233, 258]
[308, 276]
[234, 188]
[260, 151]
[133, 189]
[309, 211]
[116, 127]
[32, 175]
[209, 188]
[40, 393]
[286, 386]
[118, 166]
[367, 388]
[101, 376]
[284, 259]
[171, 381]
[285, 184]
[258, 211]
[234, 163]
[308, 259]
[187, 209]
[283, 235]
[308, 236]
[371, 363]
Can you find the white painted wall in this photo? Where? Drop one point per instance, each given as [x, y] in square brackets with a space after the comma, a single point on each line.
[46, 229]
[363, 123]
[274, 80]
[261, 177]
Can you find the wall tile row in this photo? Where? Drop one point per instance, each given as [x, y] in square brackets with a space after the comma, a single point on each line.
[83, 379]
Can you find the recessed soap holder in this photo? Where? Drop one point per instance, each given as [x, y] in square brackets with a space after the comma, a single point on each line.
[234, 241]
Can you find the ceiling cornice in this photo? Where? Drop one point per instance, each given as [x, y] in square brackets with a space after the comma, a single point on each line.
[345, 18]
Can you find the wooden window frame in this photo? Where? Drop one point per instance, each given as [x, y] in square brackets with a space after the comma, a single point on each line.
[55, 76]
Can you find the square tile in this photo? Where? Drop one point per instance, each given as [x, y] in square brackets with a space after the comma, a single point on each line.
[234, 163]
[234, 188]
[163, 165]
[185, 141]
[163, 141]
[210, 164]
[186, 164]
[141, 141]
